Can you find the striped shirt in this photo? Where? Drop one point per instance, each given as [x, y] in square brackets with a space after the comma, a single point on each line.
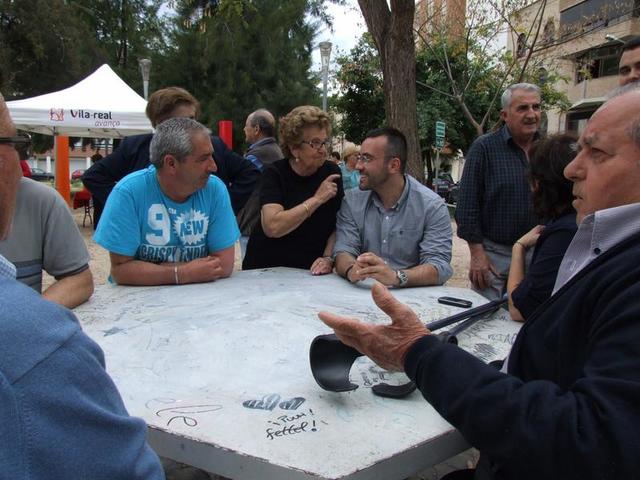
[7, 269]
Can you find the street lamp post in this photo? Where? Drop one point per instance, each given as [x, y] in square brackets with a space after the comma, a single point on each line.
[145, 68]
[325, 54]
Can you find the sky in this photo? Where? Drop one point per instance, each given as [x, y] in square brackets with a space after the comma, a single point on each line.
[348, 26]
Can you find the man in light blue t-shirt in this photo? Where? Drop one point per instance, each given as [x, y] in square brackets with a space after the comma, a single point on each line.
[173, 222]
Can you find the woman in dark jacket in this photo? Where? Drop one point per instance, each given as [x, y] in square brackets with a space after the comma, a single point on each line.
[552, 201]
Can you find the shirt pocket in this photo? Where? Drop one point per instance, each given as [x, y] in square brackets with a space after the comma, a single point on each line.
[405, 247]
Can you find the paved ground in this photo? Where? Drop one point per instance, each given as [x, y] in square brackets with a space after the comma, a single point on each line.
[460, 261]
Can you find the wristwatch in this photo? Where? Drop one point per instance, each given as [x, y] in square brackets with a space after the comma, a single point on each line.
[402, 277]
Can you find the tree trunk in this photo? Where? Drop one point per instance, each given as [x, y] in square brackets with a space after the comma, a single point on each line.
[392, 30]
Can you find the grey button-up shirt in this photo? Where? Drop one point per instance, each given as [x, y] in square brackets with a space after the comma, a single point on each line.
[415, 231]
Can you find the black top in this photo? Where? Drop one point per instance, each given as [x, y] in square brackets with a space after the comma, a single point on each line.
[299, 248]
[495, 195]
[538, 283]
[237, 173]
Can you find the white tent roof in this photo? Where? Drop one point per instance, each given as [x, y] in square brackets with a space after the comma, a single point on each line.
[102, 105]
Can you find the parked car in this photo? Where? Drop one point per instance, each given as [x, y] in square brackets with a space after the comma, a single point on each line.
[40, 175]
[446, 187]
[77, 174]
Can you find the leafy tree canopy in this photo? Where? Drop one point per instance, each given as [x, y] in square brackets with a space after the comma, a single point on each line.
[237, 56]
[360, 99]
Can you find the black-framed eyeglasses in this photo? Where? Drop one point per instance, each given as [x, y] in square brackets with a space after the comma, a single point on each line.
[318, 143]
[22, 141]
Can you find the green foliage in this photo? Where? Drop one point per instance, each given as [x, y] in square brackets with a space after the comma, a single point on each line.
[123, 31]
[361, 96]
[234, 55]
[361, 100]
[240, 55]
[436, 98]
[43, 47]
[48, 45]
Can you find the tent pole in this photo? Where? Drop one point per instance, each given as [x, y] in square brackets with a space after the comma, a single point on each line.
[63, 185]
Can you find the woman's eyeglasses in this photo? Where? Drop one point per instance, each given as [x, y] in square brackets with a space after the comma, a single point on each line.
[318, 143]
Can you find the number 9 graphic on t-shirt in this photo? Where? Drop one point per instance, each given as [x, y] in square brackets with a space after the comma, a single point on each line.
[158, 220]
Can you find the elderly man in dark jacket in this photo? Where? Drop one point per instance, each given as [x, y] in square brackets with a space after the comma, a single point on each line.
[260, 132]
[568, 403]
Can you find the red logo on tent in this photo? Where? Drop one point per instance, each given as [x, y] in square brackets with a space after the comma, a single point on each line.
[56, 114]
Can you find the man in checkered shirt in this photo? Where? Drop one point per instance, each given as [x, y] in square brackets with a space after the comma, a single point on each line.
[494, 208]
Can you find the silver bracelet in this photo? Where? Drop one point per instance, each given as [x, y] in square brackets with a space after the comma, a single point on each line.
[175, 274]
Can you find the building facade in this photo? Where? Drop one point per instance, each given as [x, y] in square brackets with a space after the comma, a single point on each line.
[579, 40]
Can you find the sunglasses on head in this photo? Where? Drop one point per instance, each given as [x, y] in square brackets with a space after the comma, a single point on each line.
[16, 141]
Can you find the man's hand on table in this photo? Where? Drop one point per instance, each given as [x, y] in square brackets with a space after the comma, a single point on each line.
[369, 265]
[205, 269]
[387, 345]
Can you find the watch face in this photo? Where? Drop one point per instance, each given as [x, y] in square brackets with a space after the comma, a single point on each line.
[402, 277]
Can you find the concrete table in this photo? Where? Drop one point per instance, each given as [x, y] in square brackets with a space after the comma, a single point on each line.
[220, 372]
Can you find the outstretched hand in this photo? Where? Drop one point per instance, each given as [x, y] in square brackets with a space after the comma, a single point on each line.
[387, 345]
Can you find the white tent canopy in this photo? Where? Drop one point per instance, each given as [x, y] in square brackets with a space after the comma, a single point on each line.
[101, 106]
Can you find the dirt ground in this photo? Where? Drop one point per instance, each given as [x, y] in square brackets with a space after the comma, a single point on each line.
[100, 258]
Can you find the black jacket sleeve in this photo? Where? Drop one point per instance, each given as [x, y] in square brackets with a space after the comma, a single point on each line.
[238, 174]
[131, 155]
[539, 428]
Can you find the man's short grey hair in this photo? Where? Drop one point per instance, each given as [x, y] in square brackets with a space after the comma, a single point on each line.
[265, 120]
[174, 137]
[508, 93]
[634, 126]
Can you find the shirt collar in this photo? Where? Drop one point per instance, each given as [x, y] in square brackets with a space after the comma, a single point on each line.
[612, 225]
[262, 141]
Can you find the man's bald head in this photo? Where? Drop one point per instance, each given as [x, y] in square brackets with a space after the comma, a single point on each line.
[260, 124]
[606, 171]
[10, 172]
[7, 128]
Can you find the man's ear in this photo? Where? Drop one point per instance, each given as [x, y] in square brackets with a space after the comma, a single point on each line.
[395, 165]
[169, 162]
